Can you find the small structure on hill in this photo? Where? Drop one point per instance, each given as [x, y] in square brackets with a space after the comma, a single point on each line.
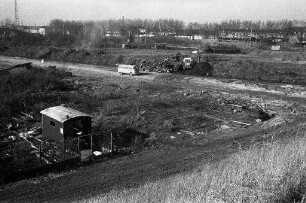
[275, 48]
[69, 127]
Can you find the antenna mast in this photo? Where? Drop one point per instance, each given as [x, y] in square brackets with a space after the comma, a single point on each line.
[16, 21]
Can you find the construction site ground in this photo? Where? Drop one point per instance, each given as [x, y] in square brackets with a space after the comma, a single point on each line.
[192, 121]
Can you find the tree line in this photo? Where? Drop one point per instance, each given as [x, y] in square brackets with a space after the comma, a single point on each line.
[126, 26]
[114, 32]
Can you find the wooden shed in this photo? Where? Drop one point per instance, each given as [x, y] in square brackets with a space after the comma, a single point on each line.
[64, 124]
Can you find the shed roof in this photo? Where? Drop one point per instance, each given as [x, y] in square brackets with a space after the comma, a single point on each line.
[61, 113]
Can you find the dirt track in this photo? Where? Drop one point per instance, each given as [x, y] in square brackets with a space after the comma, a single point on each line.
[294, 91]
[153, 163]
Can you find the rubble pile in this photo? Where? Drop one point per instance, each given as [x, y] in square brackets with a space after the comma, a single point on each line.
[200, 69]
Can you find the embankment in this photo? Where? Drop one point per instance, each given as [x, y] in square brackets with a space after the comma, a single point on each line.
[223, 66]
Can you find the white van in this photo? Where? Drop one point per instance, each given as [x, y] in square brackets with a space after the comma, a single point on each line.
[128, 69]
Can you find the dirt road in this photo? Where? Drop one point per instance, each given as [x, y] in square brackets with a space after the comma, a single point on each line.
[77, 69]
[294, 91]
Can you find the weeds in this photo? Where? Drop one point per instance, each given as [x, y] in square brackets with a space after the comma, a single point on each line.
[274, 172]
[21, 90]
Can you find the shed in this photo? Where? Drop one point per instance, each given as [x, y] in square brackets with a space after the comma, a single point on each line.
[64, 124]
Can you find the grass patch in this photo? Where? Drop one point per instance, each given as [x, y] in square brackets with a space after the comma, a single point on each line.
[34, 89]
[272, 172]
[24, 89]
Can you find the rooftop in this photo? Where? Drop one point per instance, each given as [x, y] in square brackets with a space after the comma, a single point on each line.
[62, 114]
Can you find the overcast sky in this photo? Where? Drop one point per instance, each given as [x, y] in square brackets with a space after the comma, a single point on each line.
[40, 12]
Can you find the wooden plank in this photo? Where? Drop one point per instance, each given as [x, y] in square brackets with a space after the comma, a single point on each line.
[233, 121]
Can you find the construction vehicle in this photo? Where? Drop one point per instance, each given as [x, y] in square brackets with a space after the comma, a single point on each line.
[187, 62]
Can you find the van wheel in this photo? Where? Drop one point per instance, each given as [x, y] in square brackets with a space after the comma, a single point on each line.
[121, 73]
[131, 74]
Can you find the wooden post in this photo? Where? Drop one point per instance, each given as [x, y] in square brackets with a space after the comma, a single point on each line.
[78, 145]
[91, 142]
[64, 150]
[111, 142]
[40, 155]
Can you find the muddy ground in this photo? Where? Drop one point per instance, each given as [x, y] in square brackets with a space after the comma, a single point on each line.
[191, 120]
[260, 66]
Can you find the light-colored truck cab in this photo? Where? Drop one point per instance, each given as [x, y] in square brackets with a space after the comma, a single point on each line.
[128, 69]
[187, 62]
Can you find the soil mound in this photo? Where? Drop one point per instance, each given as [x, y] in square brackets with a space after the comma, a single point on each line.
[260, 71]
[200, 69]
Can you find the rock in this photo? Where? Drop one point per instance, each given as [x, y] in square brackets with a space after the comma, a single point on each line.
[223, 127]
[271, 113]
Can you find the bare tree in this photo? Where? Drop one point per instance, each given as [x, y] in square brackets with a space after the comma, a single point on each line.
[6, 22]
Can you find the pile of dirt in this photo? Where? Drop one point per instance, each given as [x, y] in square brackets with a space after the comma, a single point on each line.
[200, 69]
[43, 53]
[278, 72]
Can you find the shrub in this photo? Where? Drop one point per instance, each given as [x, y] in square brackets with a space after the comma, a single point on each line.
[21, 90]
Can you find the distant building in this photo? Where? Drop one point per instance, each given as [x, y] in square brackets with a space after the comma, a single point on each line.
[185, 37]
[142, 31]
[198, 37]
[35, 29]
[113, 34]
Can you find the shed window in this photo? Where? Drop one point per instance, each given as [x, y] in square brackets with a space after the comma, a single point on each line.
[52, 123]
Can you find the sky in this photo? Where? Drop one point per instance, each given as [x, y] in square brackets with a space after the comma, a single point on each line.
[41, 12]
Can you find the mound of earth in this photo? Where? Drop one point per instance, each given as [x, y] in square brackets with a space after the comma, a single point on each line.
[260, 71]
[200, 69]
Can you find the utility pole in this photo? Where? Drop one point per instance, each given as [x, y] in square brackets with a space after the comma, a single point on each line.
[223, 33]
[146, 36]
[245, 37]
[251, 37]
[101, 30]
[111, 141]
[155, 35]
[137, 38]
[16, 20]
[85, 29]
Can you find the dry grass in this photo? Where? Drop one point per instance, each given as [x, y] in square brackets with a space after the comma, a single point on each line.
[273, 172]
